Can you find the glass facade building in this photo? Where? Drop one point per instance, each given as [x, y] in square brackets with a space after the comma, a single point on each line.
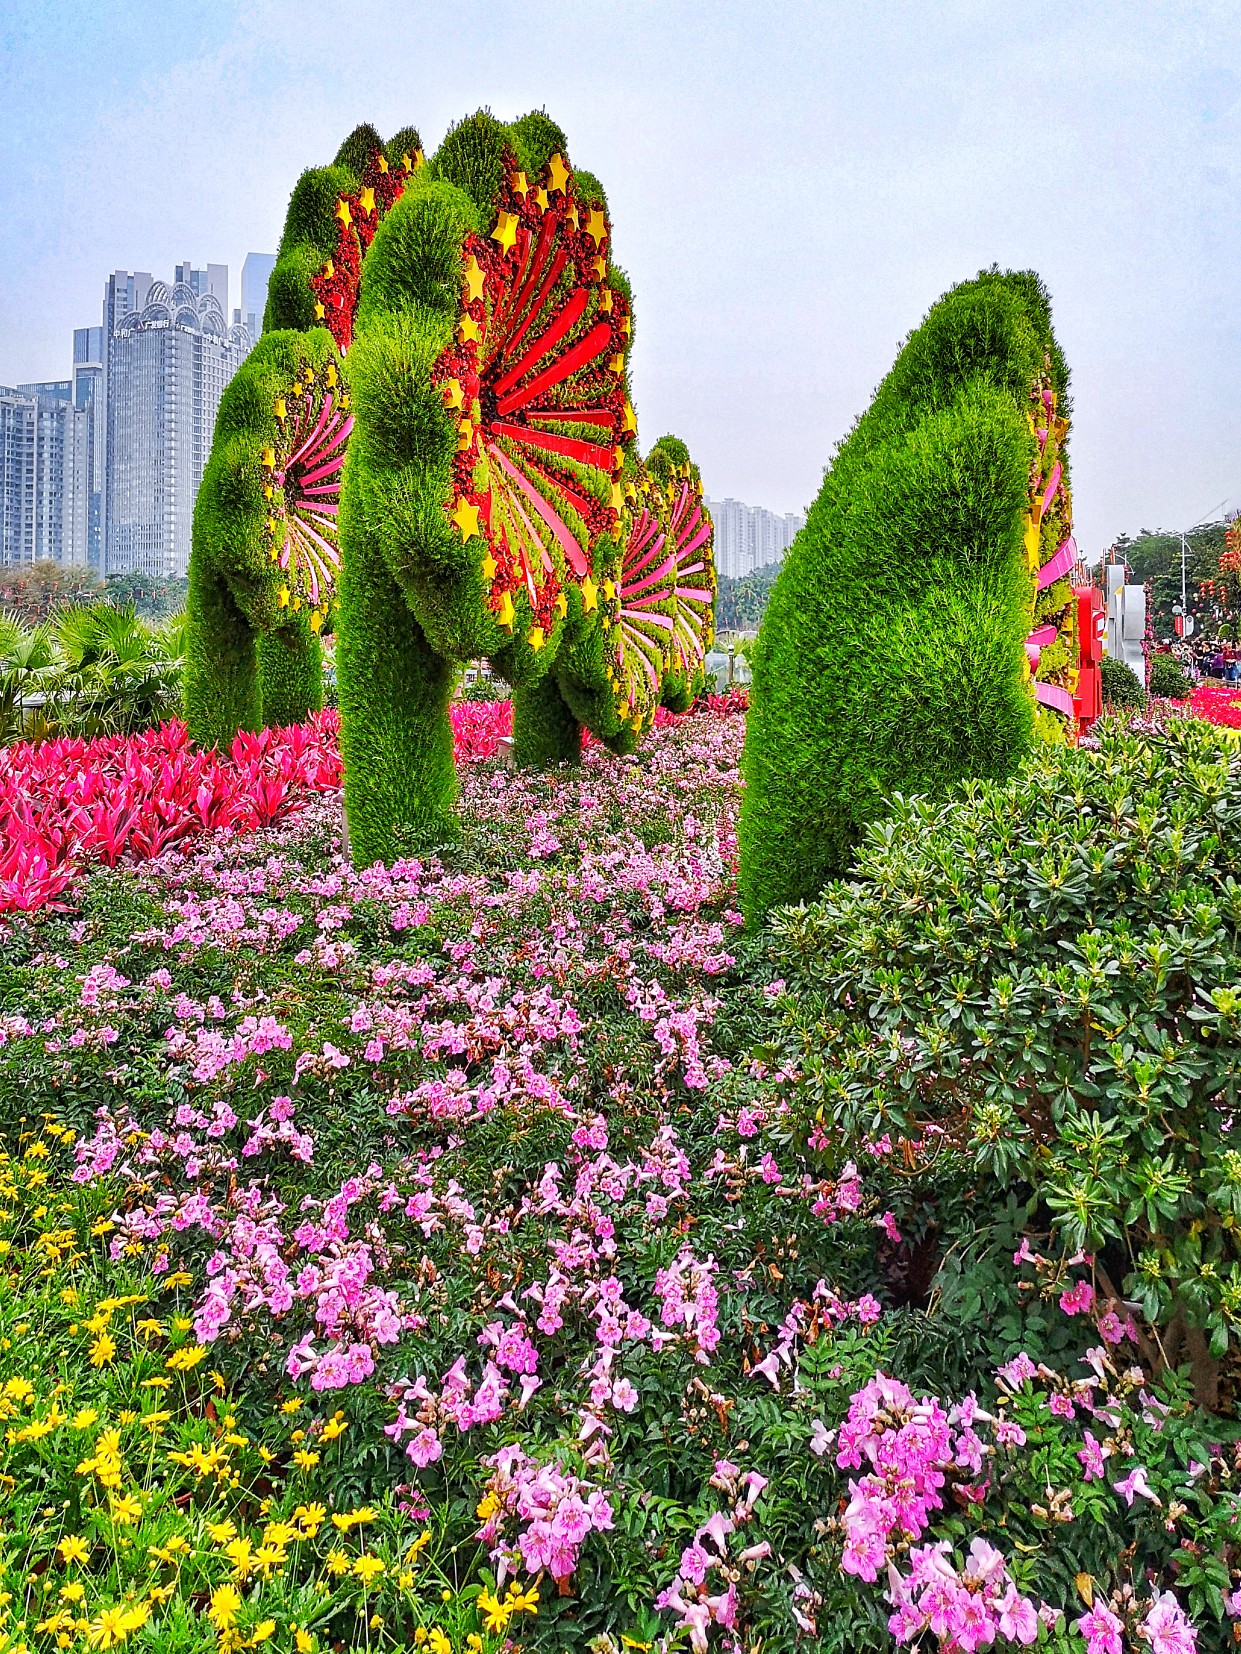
[168, 362]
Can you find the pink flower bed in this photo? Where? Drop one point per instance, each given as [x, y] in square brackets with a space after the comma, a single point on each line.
[1218, 703]
[69, 805]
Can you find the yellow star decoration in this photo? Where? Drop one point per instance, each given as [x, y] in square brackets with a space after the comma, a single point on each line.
[600, 267]
[536, 638]
[269, 458]
[627, 326]
[316, 621]
[618, 498]
[562, 604]
[465, 435]
[329, 270]
[366, 200]
[381, 163]
[489, 568]
[618, 460]
[454, 396]
[343, 213]
[473, 279]
[616, 364]
[590, 595]
[505, 615]
[320, 312]
[280, 410]
[596, 226]
[628, 420]
[419, 159]
[557, 173]
[605, 301]
[570, 216]
[1032, 542]
[468, 330]
[466, 518]
[330, 375]
[518, 184]
[540, 199]
[609, 589]
[505, 232]
[283, 598]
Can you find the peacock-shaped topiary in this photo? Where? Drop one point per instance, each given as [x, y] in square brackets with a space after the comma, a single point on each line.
[441, 416]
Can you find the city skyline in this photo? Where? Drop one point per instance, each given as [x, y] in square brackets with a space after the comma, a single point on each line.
[788, 199]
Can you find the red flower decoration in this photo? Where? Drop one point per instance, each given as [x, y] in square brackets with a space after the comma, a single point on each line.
[536, 378]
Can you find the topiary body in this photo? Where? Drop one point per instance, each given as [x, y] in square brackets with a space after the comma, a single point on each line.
[896, 648]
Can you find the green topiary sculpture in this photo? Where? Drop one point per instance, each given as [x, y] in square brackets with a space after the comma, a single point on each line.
[931, 577]
[265, 556]
[472, 358]
[493, 504]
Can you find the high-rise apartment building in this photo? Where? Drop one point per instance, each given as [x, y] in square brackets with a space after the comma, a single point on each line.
[168, 362]
[89, 371]
[255, 275]
[44, 484]
[749, 537]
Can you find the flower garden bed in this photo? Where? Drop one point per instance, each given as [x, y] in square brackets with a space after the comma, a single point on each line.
[448, 1255]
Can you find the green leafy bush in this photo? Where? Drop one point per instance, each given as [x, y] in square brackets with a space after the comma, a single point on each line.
[1165, 679]
[1045, 976]
[1121, 685]
[91, 670]
[891, 654]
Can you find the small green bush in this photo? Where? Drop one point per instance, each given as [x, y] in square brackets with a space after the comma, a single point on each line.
[1047, 973]
[1165, 679]
[1121, 685]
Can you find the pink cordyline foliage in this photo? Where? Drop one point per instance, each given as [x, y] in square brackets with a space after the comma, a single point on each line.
[69, 804]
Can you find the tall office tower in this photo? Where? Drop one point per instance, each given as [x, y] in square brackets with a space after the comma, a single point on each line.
[89, 369]
[214, 280]
[44, 496]
[168, 364]
[124, 294]
[255, 274]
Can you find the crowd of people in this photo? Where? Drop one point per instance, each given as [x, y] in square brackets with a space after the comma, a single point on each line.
[1210, 658]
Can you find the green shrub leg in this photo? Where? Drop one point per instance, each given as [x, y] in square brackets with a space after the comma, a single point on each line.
[544, 730]
[221, 683]
[291, 676]
[396, 736]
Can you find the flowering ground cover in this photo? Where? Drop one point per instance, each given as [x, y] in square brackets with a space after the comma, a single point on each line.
[1217, 703]
[453, 1255]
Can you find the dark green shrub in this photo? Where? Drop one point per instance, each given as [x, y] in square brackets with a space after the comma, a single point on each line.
[1165, 679]
[891, 653]
[1048, 971]
[1121, 685]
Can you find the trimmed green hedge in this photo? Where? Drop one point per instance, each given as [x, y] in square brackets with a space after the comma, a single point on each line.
[1121, 685]
[891, 657]
[1165, 679]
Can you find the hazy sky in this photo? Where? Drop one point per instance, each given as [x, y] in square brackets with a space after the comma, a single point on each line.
[791, 186]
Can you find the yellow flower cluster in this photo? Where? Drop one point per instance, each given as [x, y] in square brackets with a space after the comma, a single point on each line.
[137, 1489]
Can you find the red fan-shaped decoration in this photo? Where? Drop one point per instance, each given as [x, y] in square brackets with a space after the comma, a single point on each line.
[536, 379]
[694, 589]
[304, 487]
